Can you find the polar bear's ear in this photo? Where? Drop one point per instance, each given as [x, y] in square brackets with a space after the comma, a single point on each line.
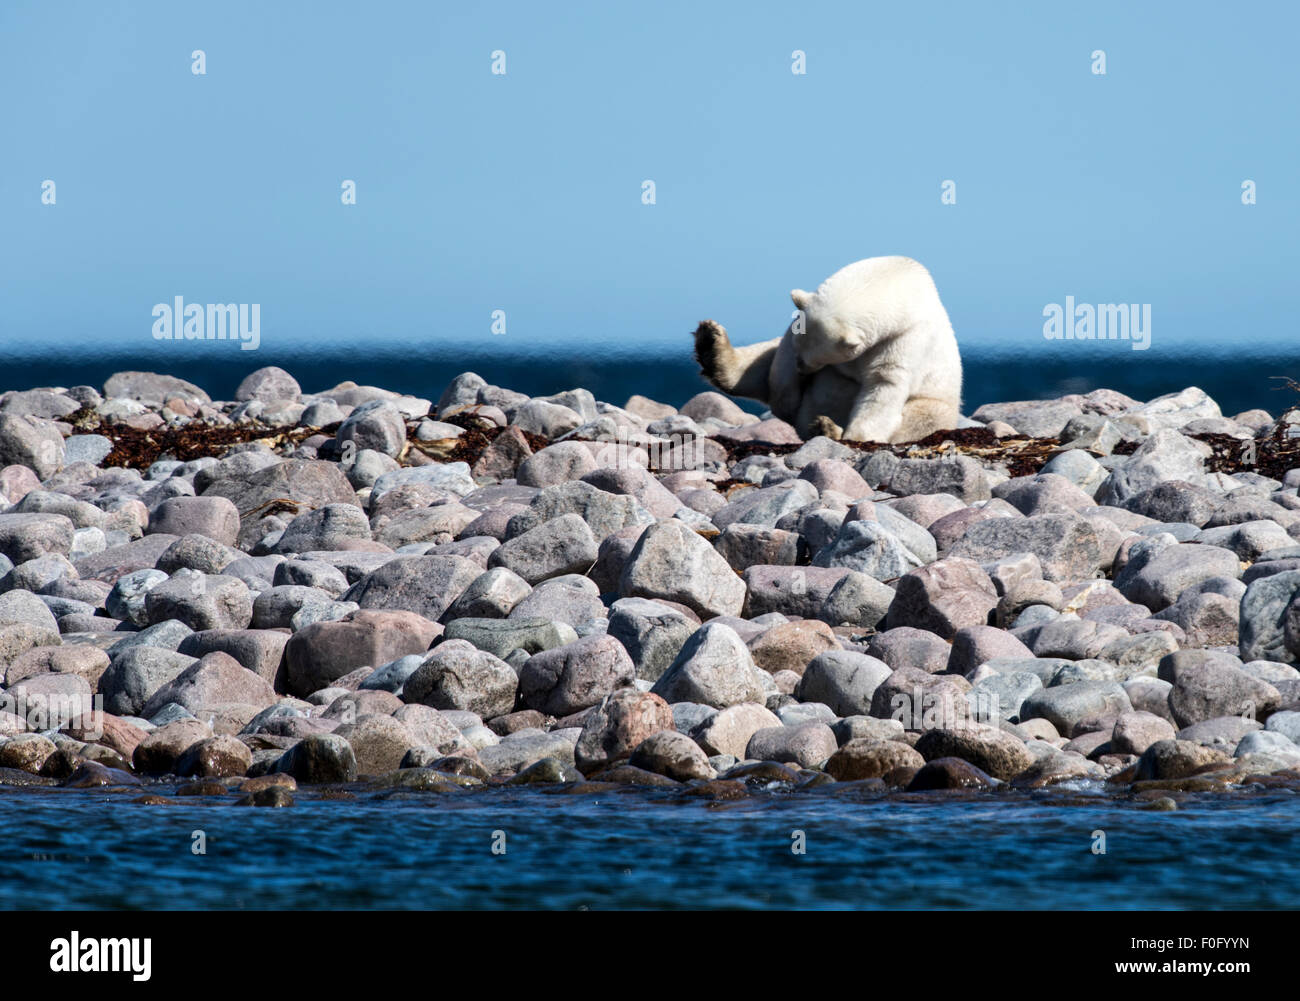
[800, 298]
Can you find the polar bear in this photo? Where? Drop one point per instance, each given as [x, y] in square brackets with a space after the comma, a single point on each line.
[870, 356]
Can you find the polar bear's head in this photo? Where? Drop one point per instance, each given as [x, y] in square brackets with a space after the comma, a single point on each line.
[823, 338]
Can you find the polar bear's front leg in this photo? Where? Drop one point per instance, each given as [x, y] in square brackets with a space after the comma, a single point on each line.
[826, 428]
[825, 404]
[785, 386]
[877, 409]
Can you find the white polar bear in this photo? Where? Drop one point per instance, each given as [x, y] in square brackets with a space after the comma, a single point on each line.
[870, 356]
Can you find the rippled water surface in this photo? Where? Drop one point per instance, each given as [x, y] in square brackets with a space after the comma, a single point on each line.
[65, 849]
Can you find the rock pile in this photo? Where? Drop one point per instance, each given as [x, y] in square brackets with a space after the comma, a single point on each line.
[493, 588]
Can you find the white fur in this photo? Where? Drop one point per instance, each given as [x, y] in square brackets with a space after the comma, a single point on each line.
[872, 350]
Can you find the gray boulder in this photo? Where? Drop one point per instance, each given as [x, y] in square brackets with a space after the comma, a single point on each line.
[714, 668]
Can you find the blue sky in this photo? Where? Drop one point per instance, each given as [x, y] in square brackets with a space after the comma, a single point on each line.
[522, 192]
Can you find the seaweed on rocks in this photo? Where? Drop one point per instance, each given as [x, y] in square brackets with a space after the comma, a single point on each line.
[1022, 455]
[737, 450]
[139, 448]
[1271, 454]
[478, 434]
[725, 487]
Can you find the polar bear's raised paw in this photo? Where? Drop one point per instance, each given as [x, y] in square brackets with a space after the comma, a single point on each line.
[711, 345]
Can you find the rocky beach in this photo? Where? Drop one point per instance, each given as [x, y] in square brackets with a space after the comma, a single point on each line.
[356, 592]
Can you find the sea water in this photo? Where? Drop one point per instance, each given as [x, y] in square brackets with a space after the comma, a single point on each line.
[530, 848]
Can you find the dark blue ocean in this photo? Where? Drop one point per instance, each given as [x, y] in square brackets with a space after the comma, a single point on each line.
[1239, 378]
[72, 849]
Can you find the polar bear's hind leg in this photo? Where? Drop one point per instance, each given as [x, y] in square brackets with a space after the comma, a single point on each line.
[739, 371]
[924, 415]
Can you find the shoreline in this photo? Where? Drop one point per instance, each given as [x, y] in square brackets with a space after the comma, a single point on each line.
[1240, 378]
